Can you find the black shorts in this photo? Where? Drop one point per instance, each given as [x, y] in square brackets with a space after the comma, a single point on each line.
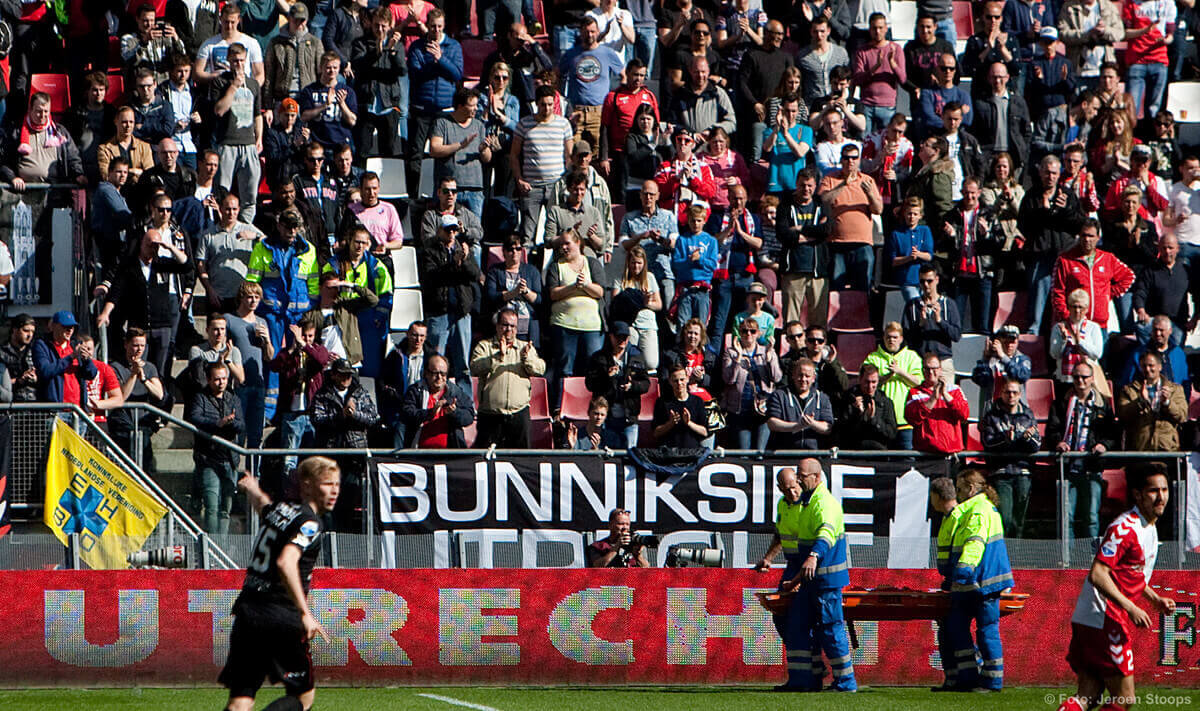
[267, 644]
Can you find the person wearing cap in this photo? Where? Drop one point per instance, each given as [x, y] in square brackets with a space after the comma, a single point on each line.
[751, 371]
[617, 373]
[686, 179]
[449, 278]
[1001, 361]
[1097, 271]
[292, 57]
[1051, 81]
[285, 265]
[756, 298]
[216, 411]
[446, 203]
[1155, 191]
[62, 366]
[283, 144]
[343, 412]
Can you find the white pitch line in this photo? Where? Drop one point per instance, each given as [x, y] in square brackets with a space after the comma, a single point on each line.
[459, 702]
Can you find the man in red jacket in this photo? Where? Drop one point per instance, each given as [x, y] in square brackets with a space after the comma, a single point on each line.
[1097, 272]
[936, 411]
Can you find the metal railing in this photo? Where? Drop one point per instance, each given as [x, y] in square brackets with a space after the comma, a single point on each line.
[1176, 462]
[176, 523]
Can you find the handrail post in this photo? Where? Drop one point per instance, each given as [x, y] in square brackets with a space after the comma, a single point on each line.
[1064, 517]
[1180, 495]
[137, 440]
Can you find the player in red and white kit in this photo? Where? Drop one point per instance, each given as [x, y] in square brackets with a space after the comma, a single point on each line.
[1101, 650]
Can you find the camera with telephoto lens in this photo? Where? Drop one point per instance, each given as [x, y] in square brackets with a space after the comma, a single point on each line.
[645, 540]
[168, 557]
[695, 557]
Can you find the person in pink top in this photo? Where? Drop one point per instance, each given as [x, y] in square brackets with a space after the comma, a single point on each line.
[380, 218]
[878, 70]
[727, 166]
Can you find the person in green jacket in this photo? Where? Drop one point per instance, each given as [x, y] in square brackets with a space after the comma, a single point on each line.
[944, 499]
[899, 370]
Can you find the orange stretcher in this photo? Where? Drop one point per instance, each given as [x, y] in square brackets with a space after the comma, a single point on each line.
[893, 603]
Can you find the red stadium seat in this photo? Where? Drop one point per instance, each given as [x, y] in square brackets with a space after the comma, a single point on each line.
[1010, 308]
[1035, 347]
[575, 399]
[964, 22]
[648, 399]
[495, 255]
[539, 403]
[849, 312]
[1039, 393]
[539, 16]
[58, 86]
[1115, 486]
[116, 90]
[853, 349]
[475, 51]
[618, 214]
[974, 440]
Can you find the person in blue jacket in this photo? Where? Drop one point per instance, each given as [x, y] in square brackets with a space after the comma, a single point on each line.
[812, 533]
[435, 68]
[693, 259]
[981, 572]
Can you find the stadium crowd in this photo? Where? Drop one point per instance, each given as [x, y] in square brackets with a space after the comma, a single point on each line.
[679, 224]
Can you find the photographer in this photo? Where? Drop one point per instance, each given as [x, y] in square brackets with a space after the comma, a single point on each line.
[617, 373]
[619, 549]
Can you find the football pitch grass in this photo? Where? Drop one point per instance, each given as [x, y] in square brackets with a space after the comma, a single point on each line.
[577, 699]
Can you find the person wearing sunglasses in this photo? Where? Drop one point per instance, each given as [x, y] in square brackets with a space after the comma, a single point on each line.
[850, 197]
[992, 43]
[927, 114]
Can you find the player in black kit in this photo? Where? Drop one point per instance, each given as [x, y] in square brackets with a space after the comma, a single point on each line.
[272, 624]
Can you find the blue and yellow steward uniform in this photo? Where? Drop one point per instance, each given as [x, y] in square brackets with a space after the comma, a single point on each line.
[981, 571]
[372, 274]
[289, 278]
[947, 558]
[815, 526]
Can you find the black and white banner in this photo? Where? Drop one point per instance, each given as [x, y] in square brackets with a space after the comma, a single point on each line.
[880, 497]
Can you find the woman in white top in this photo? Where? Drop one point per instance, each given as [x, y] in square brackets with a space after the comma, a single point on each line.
[1076, 340]
[616, 27]
[637, 278]
[574, 284]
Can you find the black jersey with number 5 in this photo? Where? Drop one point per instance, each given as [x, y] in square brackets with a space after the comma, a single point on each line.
[283, 524]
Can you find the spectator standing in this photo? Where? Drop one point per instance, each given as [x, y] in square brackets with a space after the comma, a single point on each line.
[250, 335]
[504, 366]
[150, 46]
[995, 42]
[217, 349]
[140, 382]
[931, 323]
[693, 261]
[888, 159]
[212, 58]
[868, 420]
[750, 371]
[1051, 83]
[1001, 362]
[908, 248]
[654, 230]
[539, 158]
[168, 175]
[927, 114]
[934, 182]
[41, 151]
[805, 267]
[1003, 123]
[215, 411]
[146, 290]
[346, 24]
[831, 374]
[1009, 427]
[437, 411]
[299, 371]
[329, 106]
[879, 70]
[1089, 29]
[900, 370]
[1048, 218]
[921, 54]
[679, 416]
[1082, 421]
[1153, 189]
[238, 129]
[1076, 339]
[365, 277]
[1162, 288]
[1133, 240]
[111, 218]
[403, 367]
[788, 146]
[1098, 272]
[618, 113]
[1183, 211]
[446, 204]
[573, 213]
[380, 70]
[588, 70]
[617, 373]
[434, 69]
[850, 198]
[1077, 177]
[1149, 29]
[595, 435]
[63, 368]
[700, 361]
[460, 145]
[516, 285]
[762, 69]
[524, 55]
[177, 91]
[1151, 408]
[223, 255]
[342, 414]
[687, 179]
[292, 57]
[450, 278]
[193, 22]
[378, 218]
[800, 416]
[636, 300]
[817, 61]
[153, 116]
[832, 120]
[936, 409]
[285, 265]
[17, 356]
[701, 104]
[971, 246]
[90, 122]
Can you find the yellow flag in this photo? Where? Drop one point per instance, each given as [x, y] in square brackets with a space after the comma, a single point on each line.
[86, 493]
